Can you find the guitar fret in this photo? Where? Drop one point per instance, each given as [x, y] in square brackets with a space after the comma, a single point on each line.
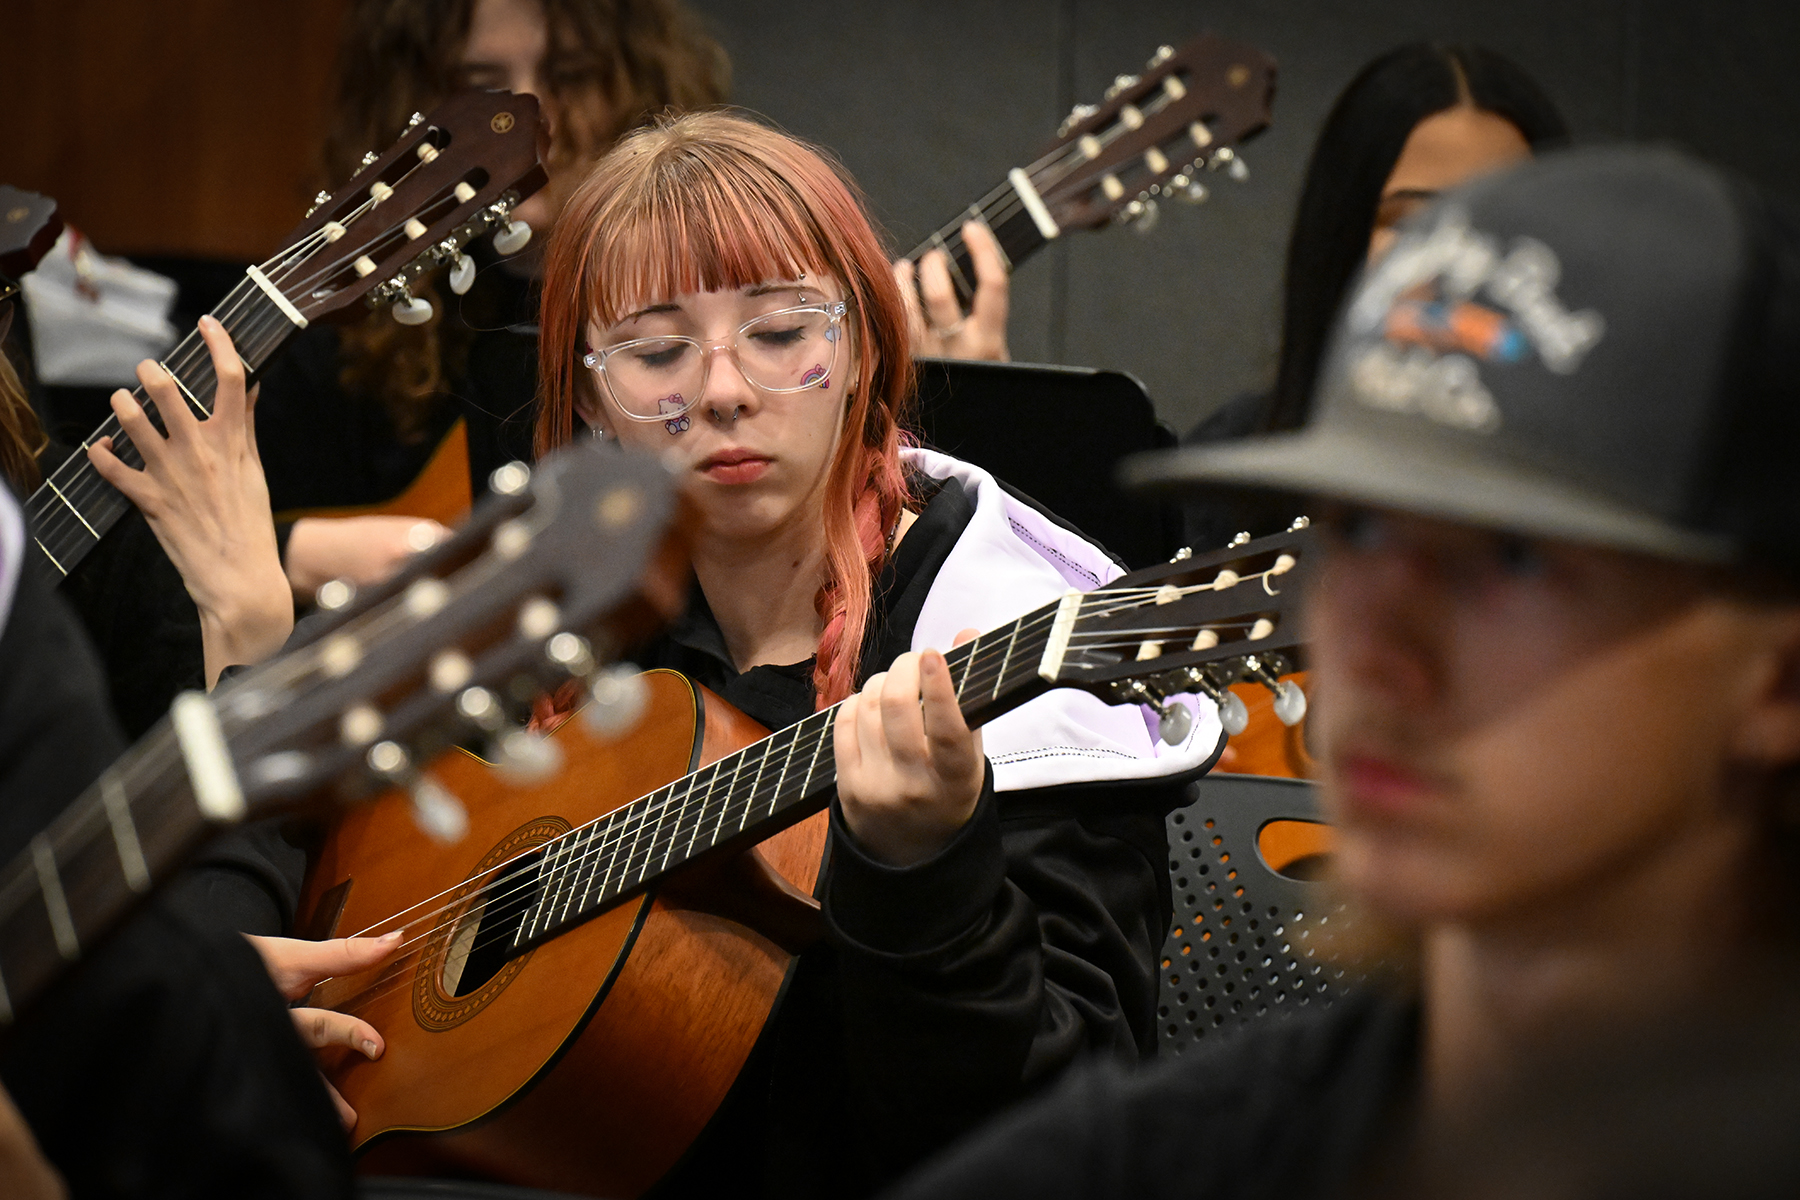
[612, 859]
[50, 556]
[62, 921]
[51, 484]
[592, 853]
[124, 832]
[572, 872]
[956, 272]
[786, 761]
[762, 764]
[546, 884]
[1000, 675]
[967, 663]
[200, 410]
[812, 764]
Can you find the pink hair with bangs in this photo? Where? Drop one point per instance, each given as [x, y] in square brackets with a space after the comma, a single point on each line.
[710, 201]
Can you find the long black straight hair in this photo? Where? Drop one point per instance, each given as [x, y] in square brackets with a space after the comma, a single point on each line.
[1362, 139]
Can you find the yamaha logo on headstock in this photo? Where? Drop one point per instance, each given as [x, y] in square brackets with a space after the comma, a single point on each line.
[502, 122]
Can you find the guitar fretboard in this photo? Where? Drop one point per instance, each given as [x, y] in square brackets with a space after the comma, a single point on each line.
[1012, 226]
[93, 863]
[749, 795]
[74, 507]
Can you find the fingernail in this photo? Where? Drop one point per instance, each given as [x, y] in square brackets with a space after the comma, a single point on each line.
[370, 1048]
[209, 322]
[391, 937]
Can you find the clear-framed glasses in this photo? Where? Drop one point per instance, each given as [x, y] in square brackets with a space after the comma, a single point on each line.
[661, 378]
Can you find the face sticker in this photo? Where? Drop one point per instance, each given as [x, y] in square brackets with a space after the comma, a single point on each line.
[673, 404]
[816, 375]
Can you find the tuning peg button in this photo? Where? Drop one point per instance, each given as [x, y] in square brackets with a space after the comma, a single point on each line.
[512, 239]
[412, 311]
[524, 757]
[1175, 723]
[620, 697]
[1233, 715]
[439, 815]
[1290, 703]
[462, 275]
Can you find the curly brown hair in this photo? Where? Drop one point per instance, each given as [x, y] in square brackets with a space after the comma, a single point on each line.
[611, 65]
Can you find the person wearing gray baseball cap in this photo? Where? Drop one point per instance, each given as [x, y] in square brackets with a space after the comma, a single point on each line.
[1555, 675]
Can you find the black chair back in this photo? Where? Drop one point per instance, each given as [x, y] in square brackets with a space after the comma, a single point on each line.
[1244, 943]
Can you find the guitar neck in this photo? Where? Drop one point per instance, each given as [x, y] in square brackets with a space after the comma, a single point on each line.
[80, 876]
[1005, 213]
[74, 507]
[745, 797]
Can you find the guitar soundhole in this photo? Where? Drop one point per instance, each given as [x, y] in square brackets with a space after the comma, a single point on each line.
[484, 939]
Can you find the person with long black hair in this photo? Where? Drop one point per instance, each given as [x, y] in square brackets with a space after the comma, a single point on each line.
[1418, 120]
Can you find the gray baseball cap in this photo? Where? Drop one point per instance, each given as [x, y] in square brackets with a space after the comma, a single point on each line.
[1601, 346]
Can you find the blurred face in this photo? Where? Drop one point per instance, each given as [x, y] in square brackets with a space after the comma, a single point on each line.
[756, 458]
[1506, 724]
[1443, 151]
[509, 46]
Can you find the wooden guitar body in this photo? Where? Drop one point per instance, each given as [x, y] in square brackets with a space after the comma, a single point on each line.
[591, 1062]
[440, 492]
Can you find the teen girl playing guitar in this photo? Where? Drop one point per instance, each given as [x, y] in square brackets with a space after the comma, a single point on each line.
[714, 293]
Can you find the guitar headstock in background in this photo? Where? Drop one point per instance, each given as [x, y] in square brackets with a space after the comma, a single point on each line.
[29, 226]
[452, 177]
[1154, 136]
[1199, 624]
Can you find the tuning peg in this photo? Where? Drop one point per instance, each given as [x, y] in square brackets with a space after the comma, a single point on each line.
[1238, 169]
[1163, 54]
[1233, 715]
[1290, 703]
[1174, 723]
[368, 158]
[462, 275]
[512, 239]
[438, 814]
[318, 200]
[524, 757]
[1186, 188]
[1077, 115]
[412, 311]
[413, 121]
[620, 697]
[1142, 215]
[1119, 84]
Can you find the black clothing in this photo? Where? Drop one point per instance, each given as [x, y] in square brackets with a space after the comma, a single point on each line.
[945, 990]
[165, 1064]
[1293, 1107]
[324, 446]
[1211, 517]
[137, 613]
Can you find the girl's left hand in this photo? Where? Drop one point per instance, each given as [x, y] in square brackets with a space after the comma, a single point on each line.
[909, 767]
[203, 492]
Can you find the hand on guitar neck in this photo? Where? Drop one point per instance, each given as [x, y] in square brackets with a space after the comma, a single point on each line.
[939, 327]
[910, 770]
[202, 489]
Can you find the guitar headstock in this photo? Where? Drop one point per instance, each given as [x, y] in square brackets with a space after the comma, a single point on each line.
[1197, 624]
[564, 567]
[1156, 135]
[451, 178]
[29, 226]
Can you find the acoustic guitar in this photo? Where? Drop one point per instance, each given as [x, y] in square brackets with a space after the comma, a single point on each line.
[451, 178]
[582, 979]
[1155, 136]
[542, 580]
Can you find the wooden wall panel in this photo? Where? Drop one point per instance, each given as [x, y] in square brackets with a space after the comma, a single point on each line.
[186, 127]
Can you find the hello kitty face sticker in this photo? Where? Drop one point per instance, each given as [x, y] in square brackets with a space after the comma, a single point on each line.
[678, 424]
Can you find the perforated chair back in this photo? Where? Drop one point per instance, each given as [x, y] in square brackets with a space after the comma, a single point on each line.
[1244, 941]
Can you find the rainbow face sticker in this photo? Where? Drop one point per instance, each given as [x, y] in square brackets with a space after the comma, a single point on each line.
[816, 375]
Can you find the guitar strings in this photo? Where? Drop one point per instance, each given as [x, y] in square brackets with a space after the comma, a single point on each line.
[565, 877]
[191, 362]
[1040, 173]
[634, 820]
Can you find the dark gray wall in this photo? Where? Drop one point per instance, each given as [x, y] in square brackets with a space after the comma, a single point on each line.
[930, 102]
